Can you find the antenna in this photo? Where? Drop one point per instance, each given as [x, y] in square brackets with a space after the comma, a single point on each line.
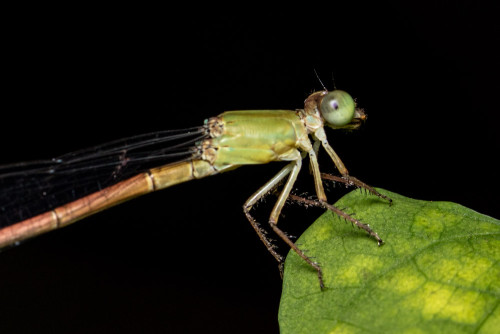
[333, 80]
[321, 82]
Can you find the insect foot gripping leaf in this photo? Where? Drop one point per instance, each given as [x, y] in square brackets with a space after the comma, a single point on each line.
[438, 272]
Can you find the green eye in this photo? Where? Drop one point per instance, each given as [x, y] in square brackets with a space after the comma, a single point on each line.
[337, 108]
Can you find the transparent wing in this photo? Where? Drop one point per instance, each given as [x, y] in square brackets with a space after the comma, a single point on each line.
[31, 188]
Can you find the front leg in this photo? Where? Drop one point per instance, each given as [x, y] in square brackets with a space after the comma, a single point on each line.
[320, 135]
[346, 178]
[352, 181]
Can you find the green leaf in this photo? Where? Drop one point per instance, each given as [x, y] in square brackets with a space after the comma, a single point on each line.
[438, 271]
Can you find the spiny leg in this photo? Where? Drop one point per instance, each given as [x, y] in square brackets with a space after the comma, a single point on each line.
[273, 220]
[293, 169]
[352, 181]
[346, 178]
[338, 212]
[259, 194]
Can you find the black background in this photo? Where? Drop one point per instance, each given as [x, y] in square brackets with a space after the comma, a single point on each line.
[185, 259]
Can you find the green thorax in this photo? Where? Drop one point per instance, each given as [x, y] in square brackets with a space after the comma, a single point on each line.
[257, 136]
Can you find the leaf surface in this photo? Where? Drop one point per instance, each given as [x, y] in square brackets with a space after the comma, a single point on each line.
[438, 271]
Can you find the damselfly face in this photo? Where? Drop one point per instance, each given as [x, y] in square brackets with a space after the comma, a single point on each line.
[339, 110]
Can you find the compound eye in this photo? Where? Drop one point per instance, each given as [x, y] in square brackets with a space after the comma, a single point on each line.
[337, 108]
